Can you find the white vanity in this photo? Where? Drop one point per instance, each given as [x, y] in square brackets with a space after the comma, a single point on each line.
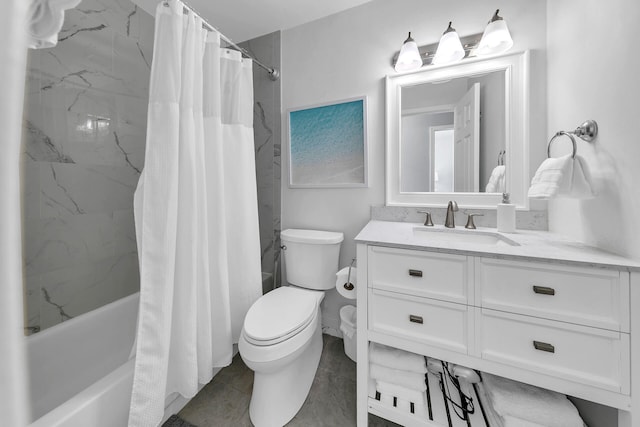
[526, 306]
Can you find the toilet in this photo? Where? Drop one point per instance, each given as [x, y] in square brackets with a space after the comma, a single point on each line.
[281, 339]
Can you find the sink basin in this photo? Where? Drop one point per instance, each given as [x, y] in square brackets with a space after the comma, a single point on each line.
[454, 235]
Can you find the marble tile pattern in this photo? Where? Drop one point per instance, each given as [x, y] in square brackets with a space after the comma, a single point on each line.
[84, 133]
[267, 133]
[525, 220]
[224, 402]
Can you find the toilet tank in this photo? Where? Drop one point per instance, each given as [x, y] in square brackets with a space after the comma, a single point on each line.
[311, 257]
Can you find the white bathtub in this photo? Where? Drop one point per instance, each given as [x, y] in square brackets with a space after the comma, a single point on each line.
[79, 370]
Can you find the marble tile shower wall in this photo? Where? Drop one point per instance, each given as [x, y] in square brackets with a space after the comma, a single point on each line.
[84, 140]
[267, 132]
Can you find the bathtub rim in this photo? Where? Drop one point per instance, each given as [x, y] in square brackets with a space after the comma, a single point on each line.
[58, 328]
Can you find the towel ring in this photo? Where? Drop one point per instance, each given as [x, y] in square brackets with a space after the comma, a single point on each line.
[587, 132]
[573, 141]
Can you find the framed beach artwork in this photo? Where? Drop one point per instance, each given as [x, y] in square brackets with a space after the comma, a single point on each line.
[328, 145]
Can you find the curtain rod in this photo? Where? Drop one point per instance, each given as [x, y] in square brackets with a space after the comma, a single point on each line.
[274, 74]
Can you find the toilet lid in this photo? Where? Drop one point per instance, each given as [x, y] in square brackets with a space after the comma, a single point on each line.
[279, 315]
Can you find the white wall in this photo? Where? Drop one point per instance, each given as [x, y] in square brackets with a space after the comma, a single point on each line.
[415, 158]
[594, 73]
[347, 55]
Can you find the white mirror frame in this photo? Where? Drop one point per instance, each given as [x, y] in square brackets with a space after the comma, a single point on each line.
[516, 67]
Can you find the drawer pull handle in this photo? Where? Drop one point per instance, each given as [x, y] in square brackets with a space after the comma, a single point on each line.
[544, 290]
[415, 273]
[415, 319]
[543, 346]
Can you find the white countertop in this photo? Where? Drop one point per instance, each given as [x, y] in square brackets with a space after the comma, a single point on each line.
[540, 246]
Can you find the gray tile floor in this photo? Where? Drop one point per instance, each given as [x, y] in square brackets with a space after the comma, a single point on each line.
[331, 402]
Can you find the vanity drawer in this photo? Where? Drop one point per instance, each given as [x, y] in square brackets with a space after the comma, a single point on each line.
[590, 356]
[432, 322]
[442, 276]
[586, 296]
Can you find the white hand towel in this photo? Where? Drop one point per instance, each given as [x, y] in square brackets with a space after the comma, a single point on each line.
[502, 186]
[562, 177]
[496, 180]
[412, 380]
[530, 403]
[396, 358]
[416, 396]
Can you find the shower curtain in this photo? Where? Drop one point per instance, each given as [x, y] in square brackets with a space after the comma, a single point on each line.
[196, 213]
[13, 57]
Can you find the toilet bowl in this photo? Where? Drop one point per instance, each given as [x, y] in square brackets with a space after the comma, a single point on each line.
[284, 366]
[281, 339]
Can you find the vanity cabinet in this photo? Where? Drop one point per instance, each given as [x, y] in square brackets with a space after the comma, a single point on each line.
[569, 322]
[558, 325]
[585, 296]
[424, 320]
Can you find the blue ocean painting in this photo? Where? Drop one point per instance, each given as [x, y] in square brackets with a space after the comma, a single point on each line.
[328, 144]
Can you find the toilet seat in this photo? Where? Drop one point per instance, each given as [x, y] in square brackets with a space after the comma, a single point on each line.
[280, 315]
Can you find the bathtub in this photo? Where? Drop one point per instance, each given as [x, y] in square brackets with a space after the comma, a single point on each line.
[80, 372]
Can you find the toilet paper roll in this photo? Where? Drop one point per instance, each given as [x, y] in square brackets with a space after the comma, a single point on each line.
[341, 281]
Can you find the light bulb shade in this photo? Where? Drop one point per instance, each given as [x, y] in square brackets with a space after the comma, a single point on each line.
[409, 58]
[495, 39]
[449, 49]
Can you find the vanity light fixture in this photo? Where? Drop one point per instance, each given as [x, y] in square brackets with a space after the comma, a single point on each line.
[496, 37]
[409, 58]
[449, 49]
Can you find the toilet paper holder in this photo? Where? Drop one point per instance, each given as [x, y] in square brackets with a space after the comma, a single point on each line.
[349, 286]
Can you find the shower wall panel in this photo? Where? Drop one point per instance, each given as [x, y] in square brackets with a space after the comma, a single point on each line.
[84, 139]
[267, 134]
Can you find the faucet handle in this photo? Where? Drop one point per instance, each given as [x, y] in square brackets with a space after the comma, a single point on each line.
[470, 224]
[427, 220]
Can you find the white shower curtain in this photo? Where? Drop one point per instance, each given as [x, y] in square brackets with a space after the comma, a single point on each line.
[196, 213]
[13, 57]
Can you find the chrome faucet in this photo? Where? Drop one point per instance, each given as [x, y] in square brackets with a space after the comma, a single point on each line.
[450, 220]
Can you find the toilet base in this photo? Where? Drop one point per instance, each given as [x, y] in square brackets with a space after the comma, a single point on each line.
[278, 396]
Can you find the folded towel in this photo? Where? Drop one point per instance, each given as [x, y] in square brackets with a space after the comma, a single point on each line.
[396, 358]
[416, 396]
[387, 400]
[412, 380]
[496, 182]
[371, 389]
[404, 405]
[562, 177]
[420, 411]
[530, 403]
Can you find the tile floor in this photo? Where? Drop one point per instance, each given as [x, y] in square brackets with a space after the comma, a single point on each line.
[224, 402]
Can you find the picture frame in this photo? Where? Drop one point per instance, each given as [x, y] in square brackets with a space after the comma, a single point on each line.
[328, 145]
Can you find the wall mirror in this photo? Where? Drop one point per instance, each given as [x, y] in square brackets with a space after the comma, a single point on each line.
[447, 128]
